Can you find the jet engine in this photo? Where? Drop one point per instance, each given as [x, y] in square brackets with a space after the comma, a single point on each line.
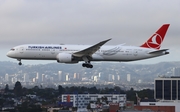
[65, 58]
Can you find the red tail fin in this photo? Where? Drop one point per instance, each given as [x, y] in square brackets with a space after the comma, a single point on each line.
[157, 38]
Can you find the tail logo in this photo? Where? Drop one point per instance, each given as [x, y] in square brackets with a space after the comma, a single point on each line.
[155, 41]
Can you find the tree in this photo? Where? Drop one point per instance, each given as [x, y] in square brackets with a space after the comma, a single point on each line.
[93, 90]
[60, 89]
[6, 88]
[18, 89]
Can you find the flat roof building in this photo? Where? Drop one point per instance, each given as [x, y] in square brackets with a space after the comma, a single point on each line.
[82, 100]
[167, 88]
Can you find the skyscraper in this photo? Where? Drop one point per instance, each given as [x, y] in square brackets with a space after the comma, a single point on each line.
[113, 77]
[43, 77]
[59, 75]
[99, 74]
[128, 77]
[110, 77]
[118, 77]
[6, 78]
[95, 78]
[176, 71]
[26, 77]
[37, 77]
[67, 77]
[75, 76]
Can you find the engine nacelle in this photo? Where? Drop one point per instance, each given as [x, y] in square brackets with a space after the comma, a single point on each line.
[65, 58]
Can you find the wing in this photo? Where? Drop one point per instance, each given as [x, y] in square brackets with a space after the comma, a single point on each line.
[90, 50]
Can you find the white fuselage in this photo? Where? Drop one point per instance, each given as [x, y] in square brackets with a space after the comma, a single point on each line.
[105, 53]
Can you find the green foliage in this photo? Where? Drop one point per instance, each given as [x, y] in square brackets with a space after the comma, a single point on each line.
[60, 89]
[50, 95]
[26, 107]
[145, 93]
[1, 102]
[18, 89]
[6, 89]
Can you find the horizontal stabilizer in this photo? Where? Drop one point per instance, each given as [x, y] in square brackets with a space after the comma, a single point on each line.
[160, 51]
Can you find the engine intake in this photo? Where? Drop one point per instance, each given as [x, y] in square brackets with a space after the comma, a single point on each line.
[65, 58]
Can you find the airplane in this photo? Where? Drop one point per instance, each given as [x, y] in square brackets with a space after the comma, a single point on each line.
[99, 52]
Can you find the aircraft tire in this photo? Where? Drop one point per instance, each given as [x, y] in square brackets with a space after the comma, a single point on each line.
[20, 63]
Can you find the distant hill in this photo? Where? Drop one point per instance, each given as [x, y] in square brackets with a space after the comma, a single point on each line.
[138, 71]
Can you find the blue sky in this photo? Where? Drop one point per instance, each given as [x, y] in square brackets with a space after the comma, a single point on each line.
[88, 22]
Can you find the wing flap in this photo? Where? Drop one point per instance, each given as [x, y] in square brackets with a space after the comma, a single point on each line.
[90, 50]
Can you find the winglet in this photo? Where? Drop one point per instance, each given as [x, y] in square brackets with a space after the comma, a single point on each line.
[103, 42]
[157, 38]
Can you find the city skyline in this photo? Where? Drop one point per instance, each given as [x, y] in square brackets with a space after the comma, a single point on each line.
[52, 75]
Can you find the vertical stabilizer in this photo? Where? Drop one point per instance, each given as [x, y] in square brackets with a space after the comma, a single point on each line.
[157, 38]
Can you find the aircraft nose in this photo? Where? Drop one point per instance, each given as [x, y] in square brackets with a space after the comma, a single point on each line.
[8, 54]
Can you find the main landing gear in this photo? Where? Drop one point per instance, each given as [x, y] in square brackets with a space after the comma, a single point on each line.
[87, 65]
[19, 62]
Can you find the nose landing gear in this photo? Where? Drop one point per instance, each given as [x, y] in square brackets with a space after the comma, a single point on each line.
[19, 62]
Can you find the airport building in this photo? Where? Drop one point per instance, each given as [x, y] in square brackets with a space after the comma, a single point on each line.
[82, 100]
[167, 88]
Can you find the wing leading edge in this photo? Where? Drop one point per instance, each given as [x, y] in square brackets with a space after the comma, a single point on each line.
[90, 50]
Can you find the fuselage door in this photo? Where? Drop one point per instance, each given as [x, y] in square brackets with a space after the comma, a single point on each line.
[52, 51]
[21, 49]
[135, 52]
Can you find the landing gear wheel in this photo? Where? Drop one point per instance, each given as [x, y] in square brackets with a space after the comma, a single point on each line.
[87, 65]
[84, 65]
[20, 63]
[90, 66]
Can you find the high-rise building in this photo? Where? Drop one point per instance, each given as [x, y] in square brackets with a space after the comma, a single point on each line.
[37, 78]
[67, 77]
[14, 80]
[6, 78]
[176, 71]
[43, 77]
[110, 77]
[59, 75]
[113, 77]
[128, 77]
[79, 77]
[118, 77]
[167, 88]
[75, 76]
[95, 78]
[26, 78]
[99, 74]
[34, 80]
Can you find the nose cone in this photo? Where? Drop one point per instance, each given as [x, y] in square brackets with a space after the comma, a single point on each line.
[9, 54]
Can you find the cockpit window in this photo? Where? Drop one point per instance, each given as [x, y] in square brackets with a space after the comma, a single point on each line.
[12, 49]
